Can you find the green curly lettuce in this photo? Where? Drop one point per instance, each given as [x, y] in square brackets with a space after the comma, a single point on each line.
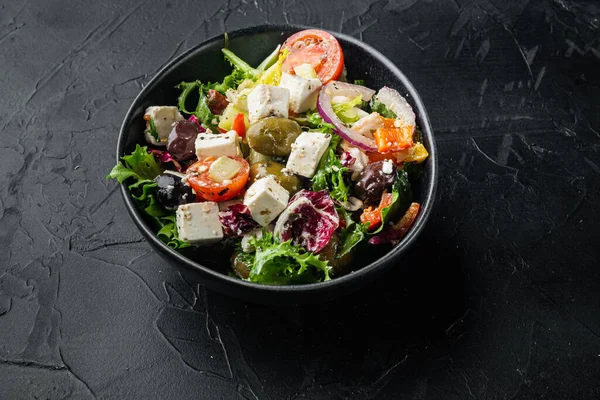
[330, 173]
[142, 167]
[282, 263]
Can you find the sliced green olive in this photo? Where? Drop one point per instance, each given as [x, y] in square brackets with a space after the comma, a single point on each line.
[288, 180]
[273, 136]
[329, 253]
[240, 265]
[255, 157]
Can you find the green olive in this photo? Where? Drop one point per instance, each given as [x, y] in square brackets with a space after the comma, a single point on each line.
[245, 149]
[240, 265]
[255, 157]
[288, 180]
[273, 136]
[329, 253]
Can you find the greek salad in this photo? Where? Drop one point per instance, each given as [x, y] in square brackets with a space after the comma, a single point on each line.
[289, 163]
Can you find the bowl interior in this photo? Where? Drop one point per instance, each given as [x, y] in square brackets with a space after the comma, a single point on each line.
[206, 63]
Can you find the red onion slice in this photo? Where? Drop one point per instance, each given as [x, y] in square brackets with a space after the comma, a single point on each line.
[336, 88]
[326, 112]
[398, 104]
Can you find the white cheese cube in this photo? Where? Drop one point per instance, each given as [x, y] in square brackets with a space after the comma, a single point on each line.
[387, 167]
[268, 101]
[198, 223]
[217, 145]
[266, 199]
[163, 118]
[307, 150]
[303, 92]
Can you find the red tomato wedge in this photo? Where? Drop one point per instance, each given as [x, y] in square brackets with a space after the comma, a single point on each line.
[207, 189]
[318, 48]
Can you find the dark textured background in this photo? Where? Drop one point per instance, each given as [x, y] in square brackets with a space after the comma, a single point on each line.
[500, 299]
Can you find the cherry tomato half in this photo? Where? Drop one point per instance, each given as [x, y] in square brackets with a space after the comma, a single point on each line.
[207, 189]
[318, 48]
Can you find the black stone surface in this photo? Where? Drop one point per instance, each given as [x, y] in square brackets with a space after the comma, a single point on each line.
[499, 300]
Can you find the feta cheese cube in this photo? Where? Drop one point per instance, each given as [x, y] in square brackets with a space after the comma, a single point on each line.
[266, 199]
[307, 150]
[198, 223]
[387, 167]
[163, 118]
[268, 101]
[303, 92]
[217, 145]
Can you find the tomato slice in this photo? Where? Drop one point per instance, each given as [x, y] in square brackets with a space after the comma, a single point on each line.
[373, 216]
[207, 189]
[318, 48]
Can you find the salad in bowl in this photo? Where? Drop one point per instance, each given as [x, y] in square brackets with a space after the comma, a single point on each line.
[291, 165]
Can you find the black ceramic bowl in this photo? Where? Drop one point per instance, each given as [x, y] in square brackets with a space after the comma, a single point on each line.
[205, 62]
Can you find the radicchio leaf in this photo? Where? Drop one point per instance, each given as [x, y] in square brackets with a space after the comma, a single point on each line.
[195, 120]
[237, 220]
[309, 220]
[164, 157]
[347, 160]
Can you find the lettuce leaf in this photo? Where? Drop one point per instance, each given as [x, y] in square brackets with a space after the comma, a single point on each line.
[351, 235]
[202, 111]
[140, 165]
[244, 70]
[168, 233]
[402, 196]
[272, 76]
[316, 123]
[330, 173]
[277, 263]
[379, 107]
[143, 168]
[344, 110]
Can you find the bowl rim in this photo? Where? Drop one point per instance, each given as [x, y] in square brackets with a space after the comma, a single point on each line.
[346, 280]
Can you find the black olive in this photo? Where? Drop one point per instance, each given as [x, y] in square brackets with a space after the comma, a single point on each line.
[173, 191]
[374, 180]
[182, 140]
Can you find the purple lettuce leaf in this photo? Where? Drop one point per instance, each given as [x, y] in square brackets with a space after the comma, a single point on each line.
[164, 157]
[237, 220]
[309, 220]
